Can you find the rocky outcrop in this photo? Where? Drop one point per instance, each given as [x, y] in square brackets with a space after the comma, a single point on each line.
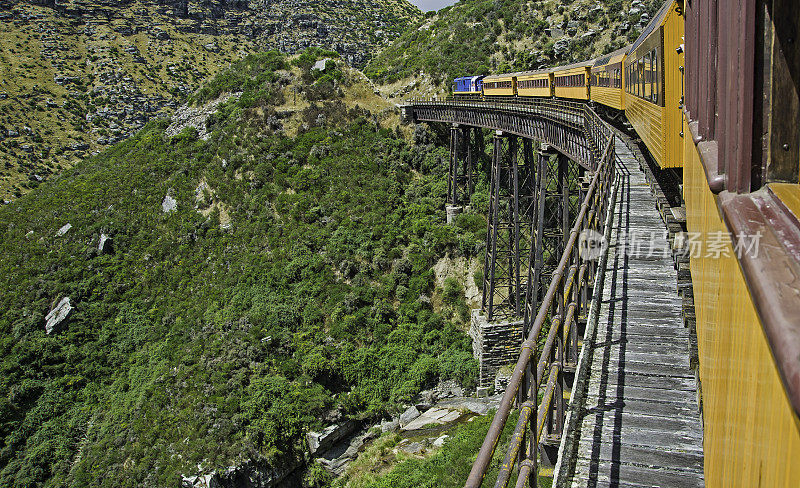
[56, 318]
[250, 474]
[409, 415]
[188, 116]
[330, 436]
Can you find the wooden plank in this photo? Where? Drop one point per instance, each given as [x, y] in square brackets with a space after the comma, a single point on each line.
[640, 425]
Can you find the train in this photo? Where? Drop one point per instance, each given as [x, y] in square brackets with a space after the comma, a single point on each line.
[643, 80]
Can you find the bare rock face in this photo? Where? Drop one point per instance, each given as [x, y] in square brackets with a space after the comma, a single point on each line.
[187, 116]
[58, 315]
[63, 230]
[250, 474]
[328, 437]
[105, 245]
[409, 415]
[169, 204]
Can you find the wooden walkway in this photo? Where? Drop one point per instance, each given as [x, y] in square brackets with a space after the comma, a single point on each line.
[639, 425]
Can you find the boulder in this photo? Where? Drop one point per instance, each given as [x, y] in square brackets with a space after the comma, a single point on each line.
[561, 46]
[439, 442]
[320, 65]
[105, 245]
[409, 415]
[58, 315]
[169, 204]
[433, 416]
[63, 230]
[390, 425]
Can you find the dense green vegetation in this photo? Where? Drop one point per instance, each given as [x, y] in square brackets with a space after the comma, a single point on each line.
[499, 36]
[292, 280]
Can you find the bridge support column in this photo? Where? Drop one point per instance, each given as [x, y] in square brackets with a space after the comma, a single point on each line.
[496, 327]
[466, 148]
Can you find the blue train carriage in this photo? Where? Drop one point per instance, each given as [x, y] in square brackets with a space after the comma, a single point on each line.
[468, 86]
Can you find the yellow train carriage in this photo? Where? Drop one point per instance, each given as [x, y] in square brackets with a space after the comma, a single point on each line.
[608, 80]
[572, 81]
[654, 86]
[535, 83]
[504, 85]
[751, 431]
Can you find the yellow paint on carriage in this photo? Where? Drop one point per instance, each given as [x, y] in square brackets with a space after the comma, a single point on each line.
[751, 434]
[500, 85]
[654, 88]
[535, 84]
[608, 79]
[572, 81]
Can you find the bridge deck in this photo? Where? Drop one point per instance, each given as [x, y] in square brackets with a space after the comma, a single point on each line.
[640, 425]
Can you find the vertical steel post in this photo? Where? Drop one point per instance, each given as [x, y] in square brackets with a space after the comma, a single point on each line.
[492, 229]
[563, 186]
[507, 246]
[451, 177]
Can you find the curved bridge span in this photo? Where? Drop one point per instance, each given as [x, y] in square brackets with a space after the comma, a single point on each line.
[570, 127]
[577, 325]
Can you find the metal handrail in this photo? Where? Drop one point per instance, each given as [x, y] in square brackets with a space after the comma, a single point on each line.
[562, 312]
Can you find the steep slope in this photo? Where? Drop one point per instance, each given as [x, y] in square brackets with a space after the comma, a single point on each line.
[78, 75]
[495, 36]
[225, 294]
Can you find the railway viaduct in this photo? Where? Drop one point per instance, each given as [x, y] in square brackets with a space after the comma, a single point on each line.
[603, 384]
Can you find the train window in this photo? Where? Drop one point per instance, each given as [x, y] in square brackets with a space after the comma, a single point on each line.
[647, 89]
[628, 77]
[641, 67]
[656, 79]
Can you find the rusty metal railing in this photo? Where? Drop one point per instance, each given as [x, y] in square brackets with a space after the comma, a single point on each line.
[556, 323]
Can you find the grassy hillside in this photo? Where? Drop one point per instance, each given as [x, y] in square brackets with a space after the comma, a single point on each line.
[290, 284]
[79, 75]
[494, 36]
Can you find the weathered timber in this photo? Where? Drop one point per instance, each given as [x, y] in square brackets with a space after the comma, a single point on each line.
[639, 424]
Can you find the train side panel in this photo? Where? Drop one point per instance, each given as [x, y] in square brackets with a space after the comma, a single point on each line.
[500, 85]
[751, 435]
[572, 83]
[538, 85]
[608, 80]
[673, 82]
[610, 97]
[648, 121]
